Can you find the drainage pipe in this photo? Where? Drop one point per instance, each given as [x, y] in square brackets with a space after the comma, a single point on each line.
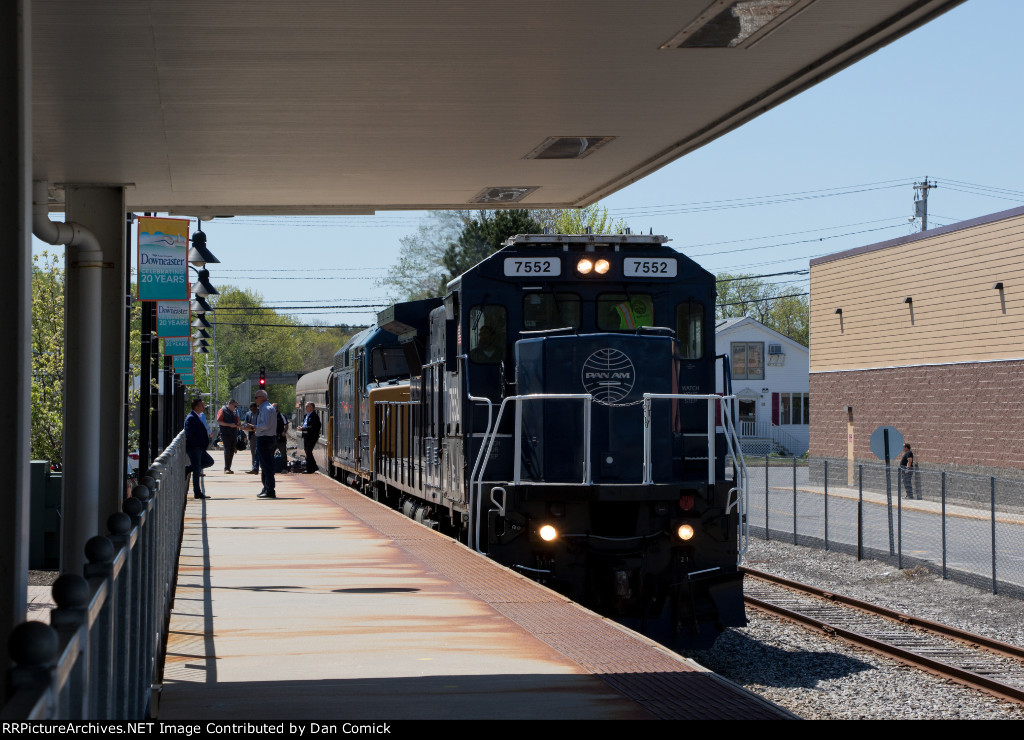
[83, 263]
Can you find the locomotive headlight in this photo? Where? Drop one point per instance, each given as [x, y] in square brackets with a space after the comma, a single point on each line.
[547, 533]
[685, 532]
[584, 266]
[601, 267]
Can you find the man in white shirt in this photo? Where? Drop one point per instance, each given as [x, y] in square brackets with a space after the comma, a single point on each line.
[266, 442]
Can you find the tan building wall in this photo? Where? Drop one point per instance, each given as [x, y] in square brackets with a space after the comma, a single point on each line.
[955, 315]
[947, 369]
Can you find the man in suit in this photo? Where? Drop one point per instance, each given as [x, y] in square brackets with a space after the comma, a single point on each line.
[310, 435]
[196, 441]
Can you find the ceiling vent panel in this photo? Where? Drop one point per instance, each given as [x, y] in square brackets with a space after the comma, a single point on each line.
[502, 194]
[731, 24]
[568, 147]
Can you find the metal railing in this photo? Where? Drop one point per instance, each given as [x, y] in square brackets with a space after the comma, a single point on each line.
[103, 650]
[968, 528]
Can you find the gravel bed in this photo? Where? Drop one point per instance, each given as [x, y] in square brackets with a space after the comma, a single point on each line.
[819, 677]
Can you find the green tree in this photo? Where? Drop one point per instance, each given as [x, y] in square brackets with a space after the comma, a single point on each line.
[249, 335]
[773, 305]
[47, 357]
[420, 271]
[593, 219]
[483, 236]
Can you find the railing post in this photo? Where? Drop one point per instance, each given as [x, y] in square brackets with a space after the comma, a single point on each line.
[860, 511]
[711, 439]
[945, 574]
[150, 596]
[794, 501]
[99, 552]
[139, 608]
[648, 478]
[992, 484]
[71, 594]
[33, 648]
[587, 417]
[826, 501]
[120, 526]
[518, 447]
[767, 531]
[899, 520]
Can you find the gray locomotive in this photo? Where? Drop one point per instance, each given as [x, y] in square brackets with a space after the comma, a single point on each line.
[556, 410]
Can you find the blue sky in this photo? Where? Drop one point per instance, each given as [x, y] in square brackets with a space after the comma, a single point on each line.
[942, 102]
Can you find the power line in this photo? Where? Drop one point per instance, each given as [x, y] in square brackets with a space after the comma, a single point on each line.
[761, 300]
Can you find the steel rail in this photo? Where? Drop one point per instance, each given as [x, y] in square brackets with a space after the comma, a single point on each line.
[936, 667]
[970, 638]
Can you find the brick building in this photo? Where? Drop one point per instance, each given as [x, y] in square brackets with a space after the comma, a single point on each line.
[924, 333]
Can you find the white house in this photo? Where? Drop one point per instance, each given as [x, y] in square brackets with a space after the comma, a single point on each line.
[771, 379]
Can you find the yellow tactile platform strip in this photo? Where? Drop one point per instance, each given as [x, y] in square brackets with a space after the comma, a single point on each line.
[667, 685]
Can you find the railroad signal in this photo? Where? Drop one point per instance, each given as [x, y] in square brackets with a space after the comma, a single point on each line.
[263, 377]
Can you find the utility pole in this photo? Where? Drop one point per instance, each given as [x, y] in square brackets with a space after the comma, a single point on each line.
[921, 201]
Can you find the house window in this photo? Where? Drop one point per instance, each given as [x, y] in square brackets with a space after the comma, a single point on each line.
[747, 360]
[794, 408]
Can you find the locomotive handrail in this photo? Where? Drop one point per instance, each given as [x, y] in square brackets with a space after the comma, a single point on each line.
[484, 452]
[734, 452]
[475, 491]
[742, 488]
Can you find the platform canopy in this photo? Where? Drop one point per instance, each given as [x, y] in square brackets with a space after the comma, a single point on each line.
[211, 107]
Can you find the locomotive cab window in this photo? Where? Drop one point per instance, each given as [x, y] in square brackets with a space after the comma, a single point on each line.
[551, 311]
[388, 363]
[487, 334]
[619, 312]
[690, 329]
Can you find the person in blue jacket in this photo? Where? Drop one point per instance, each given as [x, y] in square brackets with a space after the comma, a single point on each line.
[197, 438]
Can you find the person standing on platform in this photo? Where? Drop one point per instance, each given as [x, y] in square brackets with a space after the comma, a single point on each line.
[196, 440]
[228, 420]
[282, 437]
[250, 425]
[907, 470]
[266, 441]
[310, 435]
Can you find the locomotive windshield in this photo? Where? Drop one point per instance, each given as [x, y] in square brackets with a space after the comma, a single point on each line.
[551, 311]
[388, 363]
[619, 312]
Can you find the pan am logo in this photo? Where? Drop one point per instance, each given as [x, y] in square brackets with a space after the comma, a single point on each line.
[608, 376]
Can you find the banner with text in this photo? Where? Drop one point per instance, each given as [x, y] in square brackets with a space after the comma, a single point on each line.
[163, 259]
[172, 319]
[183, 364]
[178, 346]
[188, 379]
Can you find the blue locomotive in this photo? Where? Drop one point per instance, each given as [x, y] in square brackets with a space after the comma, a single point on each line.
[556, 410]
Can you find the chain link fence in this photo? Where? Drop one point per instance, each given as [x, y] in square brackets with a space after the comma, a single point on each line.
[969, 528]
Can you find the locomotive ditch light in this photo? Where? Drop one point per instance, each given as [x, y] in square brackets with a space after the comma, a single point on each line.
[584, 266]
[601, 267]
[548, 533]
[685, 532]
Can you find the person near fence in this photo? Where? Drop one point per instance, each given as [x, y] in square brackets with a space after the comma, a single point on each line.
[196, 440]
[227, 418]
[907, 470]
[310, 436]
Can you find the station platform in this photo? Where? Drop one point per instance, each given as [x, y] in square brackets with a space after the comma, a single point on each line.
[322, 604]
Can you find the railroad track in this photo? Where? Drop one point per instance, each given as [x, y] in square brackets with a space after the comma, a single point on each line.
[967, 658]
